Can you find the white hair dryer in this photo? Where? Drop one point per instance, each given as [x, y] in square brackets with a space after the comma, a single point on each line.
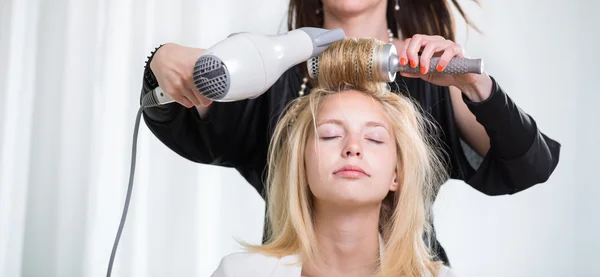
[246, 65]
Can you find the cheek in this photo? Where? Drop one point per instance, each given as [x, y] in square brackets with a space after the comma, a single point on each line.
[385, 161]
[311, 161]
[319, 164]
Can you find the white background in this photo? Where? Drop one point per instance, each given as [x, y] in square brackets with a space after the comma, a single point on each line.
[70, 78]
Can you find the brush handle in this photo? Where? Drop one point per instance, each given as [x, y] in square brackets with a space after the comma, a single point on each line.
[456, 66]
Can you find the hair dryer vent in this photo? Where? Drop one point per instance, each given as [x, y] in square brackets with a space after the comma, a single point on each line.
[211, 77]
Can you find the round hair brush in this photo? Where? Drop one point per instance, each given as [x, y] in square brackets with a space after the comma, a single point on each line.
[384, 64]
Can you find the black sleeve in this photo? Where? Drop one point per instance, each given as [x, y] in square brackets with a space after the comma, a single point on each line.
[520, 156]
[232, 134]
[229, 135]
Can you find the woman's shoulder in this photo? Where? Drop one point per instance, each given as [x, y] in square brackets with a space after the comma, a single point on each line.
[446, 272]
[235, 263]
[252, 264]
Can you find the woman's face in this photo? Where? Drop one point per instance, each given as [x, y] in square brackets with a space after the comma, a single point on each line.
[351, 159]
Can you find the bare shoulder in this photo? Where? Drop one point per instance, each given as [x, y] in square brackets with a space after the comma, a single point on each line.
[235, 263]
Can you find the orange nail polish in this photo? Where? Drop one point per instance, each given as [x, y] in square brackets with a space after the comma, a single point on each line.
[439, 68]
[413, 64]
[403, 61]
[423, 70]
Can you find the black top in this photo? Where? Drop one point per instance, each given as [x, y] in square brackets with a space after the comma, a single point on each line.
[237, 134]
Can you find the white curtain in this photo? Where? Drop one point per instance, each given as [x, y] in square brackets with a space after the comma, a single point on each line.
[70, 78]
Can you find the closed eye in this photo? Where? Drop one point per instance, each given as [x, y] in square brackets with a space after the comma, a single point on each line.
[375, 141]
[329, 138]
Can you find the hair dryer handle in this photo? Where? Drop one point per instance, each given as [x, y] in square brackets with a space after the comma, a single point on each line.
[156, 97]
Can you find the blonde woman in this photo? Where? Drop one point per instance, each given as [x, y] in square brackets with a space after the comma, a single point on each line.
[351, 176]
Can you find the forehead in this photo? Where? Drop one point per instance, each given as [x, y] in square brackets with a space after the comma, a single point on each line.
[353, 106]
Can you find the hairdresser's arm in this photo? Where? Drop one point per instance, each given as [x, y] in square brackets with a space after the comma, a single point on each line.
[226, 134]
[472, 131]
[516, 154]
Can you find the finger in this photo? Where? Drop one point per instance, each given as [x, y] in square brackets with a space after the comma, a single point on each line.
[451, 51]
[182, 100]
[426, 55]
[181, 94]
[188, 90]
[445, 58]
[196, 97]
[418, 42]
[190, 95]
[204, 101]
[413, 48]
[402, 54]
[436, 38]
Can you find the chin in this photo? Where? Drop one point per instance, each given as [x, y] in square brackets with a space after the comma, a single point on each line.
[350, 6]
[354, 193]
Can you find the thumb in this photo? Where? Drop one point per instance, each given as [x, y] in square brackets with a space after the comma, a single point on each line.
[203, 100]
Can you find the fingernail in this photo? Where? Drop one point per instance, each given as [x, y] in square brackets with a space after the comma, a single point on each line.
[413, 64]
[439, 68]
[423, 70]
[403, 61]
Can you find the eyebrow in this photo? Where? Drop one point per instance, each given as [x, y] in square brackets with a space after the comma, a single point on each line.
[339, 122]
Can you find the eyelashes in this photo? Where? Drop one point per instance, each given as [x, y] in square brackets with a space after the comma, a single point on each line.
[375, 141]
[334, 137]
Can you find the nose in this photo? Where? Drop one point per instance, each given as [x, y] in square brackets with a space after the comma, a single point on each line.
[352, 147]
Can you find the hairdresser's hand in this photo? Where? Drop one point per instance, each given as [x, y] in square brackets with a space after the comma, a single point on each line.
[434, 46]
[173, 66]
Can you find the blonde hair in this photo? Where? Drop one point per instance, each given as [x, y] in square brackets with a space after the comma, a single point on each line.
[405, 213]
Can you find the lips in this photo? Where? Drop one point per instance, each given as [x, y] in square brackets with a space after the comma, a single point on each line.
[351, 171]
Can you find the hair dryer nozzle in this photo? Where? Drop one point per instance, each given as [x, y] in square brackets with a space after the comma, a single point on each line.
[211, 77]
[322, 38]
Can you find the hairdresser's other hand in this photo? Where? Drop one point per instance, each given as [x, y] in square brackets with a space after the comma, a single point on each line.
[173, 66]
[434, 46]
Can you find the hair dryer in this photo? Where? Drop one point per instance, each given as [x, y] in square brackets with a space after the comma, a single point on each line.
[245, 65]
